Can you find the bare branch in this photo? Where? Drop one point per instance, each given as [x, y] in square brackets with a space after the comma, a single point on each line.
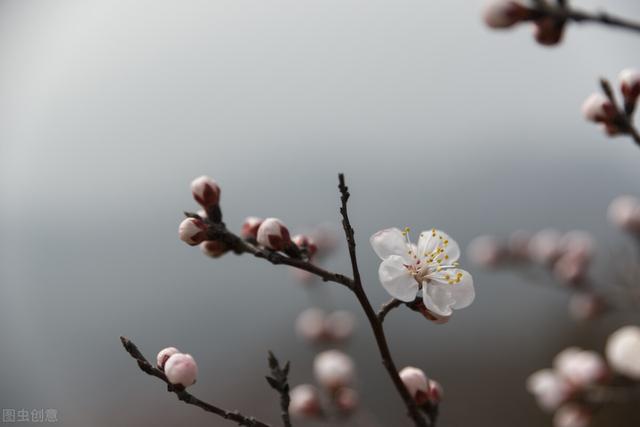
[623, 116]
[387, 307]
[279, 382]
[562, 12]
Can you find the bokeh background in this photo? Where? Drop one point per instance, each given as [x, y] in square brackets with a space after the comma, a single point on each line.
[108, 109]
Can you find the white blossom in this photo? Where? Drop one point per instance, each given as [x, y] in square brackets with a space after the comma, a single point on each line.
[181, 369]
[550, 389]
[333, 369]
[623, 351]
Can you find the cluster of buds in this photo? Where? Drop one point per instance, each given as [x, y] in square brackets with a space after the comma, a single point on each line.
[181, 369]
[624, 213]
[547, 26]
[564, 389]
[334, 372]
[316, 326]
[425, 391]
[602, 109]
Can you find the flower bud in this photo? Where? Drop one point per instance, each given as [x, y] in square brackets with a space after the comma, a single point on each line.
[548, 30]
[250, 227]
[598, 108]
[164, 354]
[305, 401]
[213, 248]
[630, 84]
[417, 384]
[544, 246]
[310, 325]
[623, 351]
[192, 231]
[339, 325]
[579, 367]
[181, 369]
[624, 213]
[346, 399]
[305, 242]
[202, 213]
[436, 393]
[571, 269]
[585, 306]
[550, 389]
[333, 369]
[504, 13]
[578, 243]
[206, 191]
[485, 251]
[273, 234]
[572, 415]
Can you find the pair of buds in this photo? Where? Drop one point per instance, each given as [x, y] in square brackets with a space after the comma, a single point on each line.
[547, 28]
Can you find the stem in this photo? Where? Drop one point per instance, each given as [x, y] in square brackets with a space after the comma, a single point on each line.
[562, 12]
[387, 307]
[623, 120]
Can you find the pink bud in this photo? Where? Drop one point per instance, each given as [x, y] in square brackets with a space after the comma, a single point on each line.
[571, 269]
[544, 246]
[485, 251]
[623, 351]
[250, 227]
[630, 84]
[305, 401]
[572, 415]
[417, 384]
[164, 354]
[339, 325]
[213, 248]
[547, 31]
[333, 369]
[504, 13]
[436, 393]
[192, 231]
[550, 389]
[624, 213]
[598, 108]
[585, 306]
[580, 368]
[181, 369]
[346, 399]
[305, 242]
[206, 191]
[310, 324]
[273, 234]
[578, 243]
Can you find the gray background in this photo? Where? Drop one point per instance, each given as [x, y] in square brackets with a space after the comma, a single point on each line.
[109, 108]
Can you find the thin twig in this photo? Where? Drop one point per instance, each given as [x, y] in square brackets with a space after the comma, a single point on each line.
[622, 120]
[279, 382]
[387, 307]
[564, 13]
[183, 395]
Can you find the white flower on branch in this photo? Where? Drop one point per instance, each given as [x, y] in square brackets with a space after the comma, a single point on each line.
[581, 368]
[333, 369]
[205, 191]
[305, 401]
[192, 231]
[431, 265]
[623, 351]
[181, 369]
[549, 388]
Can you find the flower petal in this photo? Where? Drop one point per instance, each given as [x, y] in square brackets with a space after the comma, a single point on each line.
[389, 242]
[396, 280]
[440, 296]
[430, 240]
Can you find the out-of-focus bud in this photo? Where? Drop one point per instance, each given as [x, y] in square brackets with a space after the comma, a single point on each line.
[206, 191]
[485, 251]
[598, 108]
[544, 246]
[164, 355]
[436, 393]
[417, 383]
[339, 325]
[310, 325]
[202, 213]
[504, 13]
[305, 243]
[630, 85]
[518, 245]
[550, 389]
[192, 231]
[586, 306]
[578, 243]
[624, 213]
[333, 369]
[181, 369]
[623, 351]
[250, 227]
[273, 234]
[572, 415]
[346, 399]
[548, 30]
[305, 401]
[579, 367]
[571, 269]
[213, 248]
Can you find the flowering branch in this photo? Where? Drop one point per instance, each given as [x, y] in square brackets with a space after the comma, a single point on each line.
[182, 394]
[279, 382]
[622, 119]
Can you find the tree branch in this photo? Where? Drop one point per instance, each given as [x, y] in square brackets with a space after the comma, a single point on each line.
[387, 307]
[279, 382]
[183, 395]
[562, 12]
[623, 119]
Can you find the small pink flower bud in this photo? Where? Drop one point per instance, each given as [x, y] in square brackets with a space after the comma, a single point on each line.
[547, 31]
[213, 248]
[485, 251]
[346, 399]
[206, 191]
[164, 354]
[571, 269]
[436, 393]
[572, 415]
[504, 13]
[598, 108]
[578, 243]
[630, 84]
[339, 325]
[250, 227]
[192, 231]
[305, 401]
[550, 389]
[310, 325]
[273, 234]
[333, 369]
[181, 369]
[623, 351]
[544, 246]
[417, 384]
[585, 306]
[624, 213]
[305, 242]
[580, 368]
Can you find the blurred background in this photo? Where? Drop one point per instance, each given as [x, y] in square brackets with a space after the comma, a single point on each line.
[108, 109]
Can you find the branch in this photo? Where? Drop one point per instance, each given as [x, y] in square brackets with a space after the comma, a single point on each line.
[561, 12]
[279, 382]
[387, 307]
[623, 119]
[183, 395]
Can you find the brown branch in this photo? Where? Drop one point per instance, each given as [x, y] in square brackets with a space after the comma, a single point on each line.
[374, 322]
[623, 119]
[387, 307]
[561, 12]
[183, 395]
[279, 381]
